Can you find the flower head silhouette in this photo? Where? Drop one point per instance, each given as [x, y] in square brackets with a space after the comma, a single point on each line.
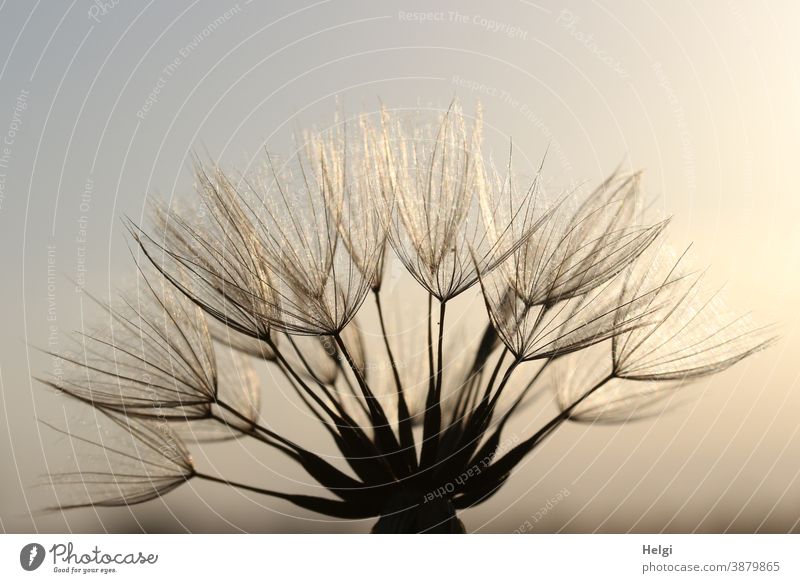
[278, 272]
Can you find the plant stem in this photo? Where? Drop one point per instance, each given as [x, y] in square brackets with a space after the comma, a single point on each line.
[404, 418]
[564, 415]
[528, 387]
[239, 485]
[433, 411]
[342, 421]
[288, 443]
[495, 372]
[285, 364]
[495, 437]
[384, 435]
[551, 425]
[330, 507]
[331, 428]
[323, 387]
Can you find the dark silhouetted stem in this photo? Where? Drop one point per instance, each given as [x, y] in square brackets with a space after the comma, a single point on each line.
[384, 435]
[404, 417]
[433, 407]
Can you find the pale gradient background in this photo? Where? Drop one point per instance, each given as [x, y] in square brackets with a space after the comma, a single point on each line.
[702, 95]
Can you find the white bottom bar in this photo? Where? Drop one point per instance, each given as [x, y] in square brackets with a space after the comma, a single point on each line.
[347, 558]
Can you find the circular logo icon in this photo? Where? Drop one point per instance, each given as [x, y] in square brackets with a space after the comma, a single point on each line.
[31, 556]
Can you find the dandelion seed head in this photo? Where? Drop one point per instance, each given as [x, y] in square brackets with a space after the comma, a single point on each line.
[279, 265]
[122, 461]
[617, 401]
[153, 358]
[690, 331]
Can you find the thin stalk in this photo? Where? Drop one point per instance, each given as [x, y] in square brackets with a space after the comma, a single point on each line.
[495, 437]
[465, 398]
[376, 411]
[311, 372]
[551, 425]
[342, 420]
[495, 372]
[258, 435]
[330, 507]
[485, 416]
[506, 377]
[288, 443]
[528, 387]
[339, 424]
[350, 387]
[384, 435]
[468, 398]
[239, 485]
[431, 379]
[323, 387]
[476, 426]
[325, 473]
[433, 411]
[498, 471]
[328, 411]
[343, 417]
[403, 415]
[298, 391]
